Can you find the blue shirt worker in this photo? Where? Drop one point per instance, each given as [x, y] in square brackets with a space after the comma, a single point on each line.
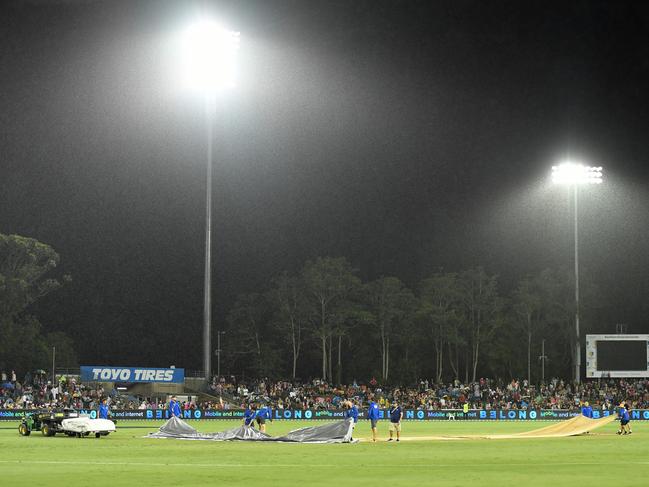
[352, 412]
[373, 415]
[623, 414]
[174, 407]
[249, 416]
[587, 410]
[396, 415]
[103, 410]
[263, 414]
[628, 412]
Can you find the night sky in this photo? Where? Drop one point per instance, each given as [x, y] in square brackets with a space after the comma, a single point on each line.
[410, 137]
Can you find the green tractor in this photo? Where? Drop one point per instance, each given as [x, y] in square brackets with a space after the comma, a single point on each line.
[26, 425]
[49, 423]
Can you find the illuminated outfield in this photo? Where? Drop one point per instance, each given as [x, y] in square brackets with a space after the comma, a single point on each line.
[125, 458]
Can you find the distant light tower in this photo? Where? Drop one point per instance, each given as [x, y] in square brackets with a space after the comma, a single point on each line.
[575, 175]
[218, 351]
[208, 60]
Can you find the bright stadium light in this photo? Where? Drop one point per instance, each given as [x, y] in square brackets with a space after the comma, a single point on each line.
[570, 173]
[208, 56]
[208, 66]
[574, 175]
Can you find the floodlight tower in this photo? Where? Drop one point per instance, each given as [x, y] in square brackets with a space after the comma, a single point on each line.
[208, 57]
[575, 175]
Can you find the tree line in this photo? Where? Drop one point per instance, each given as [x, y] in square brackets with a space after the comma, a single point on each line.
[325, 322]
[25, 277]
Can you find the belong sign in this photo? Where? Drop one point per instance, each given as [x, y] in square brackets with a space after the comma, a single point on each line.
[307, 414]
[102, 373]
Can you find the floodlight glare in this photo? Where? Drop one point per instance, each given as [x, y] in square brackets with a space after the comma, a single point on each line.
[574, 175]
[570, 173]
[207, 65]
[208, 56]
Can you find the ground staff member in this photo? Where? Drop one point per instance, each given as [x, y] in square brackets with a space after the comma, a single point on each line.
[396, 415]
[628, 412]
[373, 415]
[174, 407]
[465, 411]
[249, 415]
[623, 414]
[263, 414]
[103, 410]
[587, 412]
[352, 412]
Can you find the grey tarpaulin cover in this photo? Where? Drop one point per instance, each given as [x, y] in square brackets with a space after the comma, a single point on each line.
[338, 432]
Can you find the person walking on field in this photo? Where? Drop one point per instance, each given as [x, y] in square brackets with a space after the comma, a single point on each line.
[174, 407]
[628, 412]
[623, 415]
[104, 411]
[352, 412]
[373, 415]
[396, 415]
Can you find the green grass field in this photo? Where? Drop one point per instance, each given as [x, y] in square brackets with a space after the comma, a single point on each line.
[125, 458]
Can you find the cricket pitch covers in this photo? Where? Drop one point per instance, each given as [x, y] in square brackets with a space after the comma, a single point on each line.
[336, 432]
[341, 432]
[571, 427]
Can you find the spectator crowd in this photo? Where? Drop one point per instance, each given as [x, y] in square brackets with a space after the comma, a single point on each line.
[483, 394]
[37, 391]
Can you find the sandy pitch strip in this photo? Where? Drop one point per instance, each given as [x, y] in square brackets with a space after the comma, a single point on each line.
[571, 427]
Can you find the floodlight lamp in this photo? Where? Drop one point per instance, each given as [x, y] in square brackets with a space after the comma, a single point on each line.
[570, 173]
[208, 57]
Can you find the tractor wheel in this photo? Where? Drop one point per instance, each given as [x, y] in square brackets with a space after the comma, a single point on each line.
[97, 435]
[24, 430]
[47, 430]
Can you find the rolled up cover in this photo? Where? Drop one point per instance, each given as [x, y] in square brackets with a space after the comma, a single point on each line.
[87, 425]
[338, 432]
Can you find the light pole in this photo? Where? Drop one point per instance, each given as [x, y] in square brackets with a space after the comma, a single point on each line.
[543, 357]
[218, 352]
[53, 366]
[575, 175]
[208, 58]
